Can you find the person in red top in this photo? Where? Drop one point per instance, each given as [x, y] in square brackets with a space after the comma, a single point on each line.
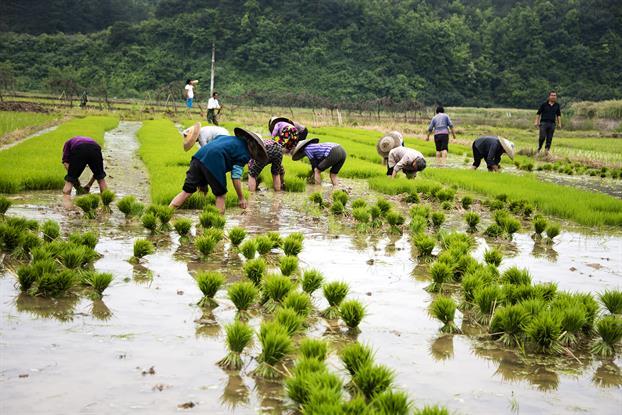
[79, 152]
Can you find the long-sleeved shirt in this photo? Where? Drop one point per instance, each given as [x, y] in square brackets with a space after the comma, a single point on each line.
[548, 112]
[207, 134]
[490, 148]
[74, 142]
[213, 104]
[224, 154]
[279, 126]
[402, 158]
[318, 152]
[440, 124]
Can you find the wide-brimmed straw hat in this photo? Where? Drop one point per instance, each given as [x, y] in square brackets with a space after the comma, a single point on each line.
[275, 120]
[386, 144]
[256, 146]
[190, 136]
[508, 146]
[397, 134]
[298, 152]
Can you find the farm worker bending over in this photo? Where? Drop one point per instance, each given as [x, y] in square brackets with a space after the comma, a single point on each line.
[388, 143]
[322, 156]
[548, 115]
[275, 160]
[202, 135]
[79, 152]
[214, 160]
[441, 125]
[405, 159]
[286, 132]
[491, 148]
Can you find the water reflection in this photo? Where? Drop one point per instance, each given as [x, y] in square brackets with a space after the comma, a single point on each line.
[236, 392]
[271, 396]
[608, 375]
[544, 250]
[141, 274]
[61, 309]
[442, 348]
[207, 325]
[100, 310]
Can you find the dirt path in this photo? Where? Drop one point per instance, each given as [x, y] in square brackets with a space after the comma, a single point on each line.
[127, 175]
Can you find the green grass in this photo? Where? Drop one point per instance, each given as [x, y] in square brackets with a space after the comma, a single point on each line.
[35, 164]
[11, 120]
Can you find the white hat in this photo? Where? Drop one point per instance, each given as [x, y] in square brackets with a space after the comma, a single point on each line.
[386, 144]
[508, 146]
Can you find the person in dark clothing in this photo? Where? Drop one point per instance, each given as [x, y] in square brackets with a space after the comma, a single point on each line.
[79, 152]
[549, 115]
[491, 148]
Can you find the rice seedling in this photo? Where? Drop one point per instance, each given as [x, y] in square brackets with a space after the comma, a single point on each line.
[511, 225]
[609, 328]
[375, 213]
[552, 230]
[22, 224]
[316, 197]
[74, 256]
[249, 249]
[299, 302]
[264, 244]
[99, 281]
[182, 226]
[243, 295]
[337, 208]
[5, 204]
[50, 230]
[412, 197]
[546, 291]
[88, 204]
[372, 380]
[275, 288]
[544, 331]
[292, 246]
[27, 241]
[472, 220]
[355, 356]
[395, 219]
[318, 392]
[209, 219]
[142, 247]
[88, 239]
[107, 197]
[418, 225]
[205, 244]
[312, 280]
[26, 277]
[276, 344]
[254, 270]
[209, 283]
[290, 320]
[276, 239]
[516, 276]
[572, 321]
[466, 202]
[470, 283]
[55, 284]
[384, 205]
[508, 323]
[239, 336]
[391, 402]
[334, 292]
[215, 233]
[441, 274]
[130, 207]
[432, 410]
[340, 196]
[539, 224]
[361, 214]
[305, 365]
[447, 205]
[359, 203]
[493, 231]
[444, 309]
[236, 235]
[420, 210]
[150, 222]
[295, 185]
[486, 298]
[356, 405]
[438, 218]
[424, 244]
[352, 313]
[313, 349]
[493, 256]
[612, 300]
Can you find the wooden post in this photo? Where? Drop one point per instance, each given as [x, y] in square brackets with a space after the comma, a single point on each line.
[211, 83]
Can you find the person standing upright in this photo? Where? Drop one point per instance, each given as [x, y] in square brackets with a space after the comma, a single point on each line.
[549, 115]
[441, 125]
[189, 91]
[212, 106]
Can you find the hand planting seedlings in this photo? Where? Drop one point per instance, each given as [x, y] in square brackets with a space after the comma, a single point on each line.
[552, 230]
[276, 344]
[130, 207]
[299, 302]
[209, 283]
[239, 336]
[313, 349]
[249, 249]
[264, 244]
[508, 323]
[142, 247]
[334, 292]
[312, 280]
[441, 274]
[612, 300]
[243, 295]
[182, 227]
[493, 256]
[372, 380]
[292, 246]
[438, 218]
[444, 309]
[236, 235]
[274, 289]
[352, 313]
[254, 270]
[609, 328]
[288, 265]
[107, 197]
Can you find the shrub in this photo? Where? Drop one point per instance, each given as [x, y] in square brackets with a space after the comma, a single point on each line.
[209, 282]
[444, 309]
[288, 265]
[312, 280]
[239, 335]
[236, 235]
[254, 270]
[334, 292]
[352, 313]
[249, 249]
[493, 256]
[466, 202]
[182, 226]
[143, 247]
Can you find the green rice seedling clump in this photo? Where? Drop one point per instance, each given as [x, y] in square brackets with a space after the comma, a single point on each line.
[164, 214]
[290, 320]
[50, 230]
[316, 197]
[182, 226]
[444, 309]
[472, 220]
[352, 313]
[276, 239]
[76, 256]
[143, 247]
[5, 204]
[612, 300]
[384, 205]
[432, 410]
[334, 292]
[412, 197]
[209, 282]
[99, 281]
[486, 298]
[441, 274]
[546, 291]
[88, 239]
[295, 185]
[510, 322]
[107, 197]
[264, 244]
[392, 402]
[372, 380]
[572, 321]
[418, 225]
[243, 295]
[26, 277]
[88, 204]
[318, 392]
[305, 365]
[209, 219]
[276, 344]
[355, 356]
[609, 328]
[236, 235]
[470, 283]
[254, 270]
[493, 256]
[511, 225]
[27, 242]
[539, 224]
[312, 280]
[395, 219]
[493, 231]
[239, 336]
[130, 207]
[516, 276]
[292, 246]
[447, 205]
[375, 213]
[54, 284]
[300, 302]
[361, 214]
[356, 405]
[466, 202]
[359, 203]
[274, 289]
[337, 208]
[205, 244]
[249, 249]
[313, 349]
[438, 218]
[150, 222]
[424, 244]
[544, 331]
[552, 230]
[340, 196]
[420, 210]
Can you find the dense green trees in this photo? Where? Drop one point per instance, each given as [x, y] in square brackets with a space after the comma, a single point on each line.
[469, 52]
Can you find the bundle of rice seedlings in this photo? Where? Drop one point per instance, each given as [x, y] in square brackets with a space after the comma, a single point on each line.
[297, 386]
[75, 256]
[292, 246]
[392, 402]
[544, 330]
[276, 344]
[486, 299]
[352, 313]
[572, 321]
[591, 310]
[316, 197]
[212, 220]
[164, 214]
[215, 233]
[466, 202]
[290, 320]
[305, 365]
[395, 219]
[418, 225]
[274, 289]
[99, 281]
[513, 294]
[437, 219]
[208, 208]
[493, 231]
[361, 214]
[88, 239]
[299, 302]
[249, 249]
[107, 197]
[55, 284]
[372, 380]
[533, 306]
[143, 247]
[355, 356]
[612, 300]
[384, 205]
[209, 283]
[50, 230]
[546, 291]
[511, 225]
[236, 235]
[5, 204]
[358, 203]
[472, 220]
[150, 222]
[609, 328]
[424, 244]
[444, 309]
[508, 323]
[288, 265]
[254, 270]
[182, 226]
[10, 236]
[130, 207]
[276, 239]
[264, 244]
[334, 292]
[493, 256]
[239, 335]
[205, 244]
[470, 283]
[421, 211]
[26, 277]
[375, 213]
[312, 280]
[315, 391]
[447, 205]
[516, 276]
[243, 296]
[27, 242]
[340, 196]
[441, 274]
[313, 349]
[337, 208]
[356, 405]
[539, 224]
[88, 204]
[552, 230]
[432, 410]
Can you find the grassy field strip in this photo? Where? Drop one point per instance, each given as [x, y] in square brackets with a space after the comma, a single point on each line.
[35, 164]
[11, 121]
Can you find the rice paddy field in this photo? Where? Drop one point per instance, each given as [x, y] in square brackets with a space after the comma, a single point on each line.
[455, 292]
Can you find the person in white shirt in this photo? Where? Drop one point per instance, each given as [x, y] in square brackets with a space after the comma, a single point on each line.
[189, 91]
[405, 159]
[212, 106]
[201, 135]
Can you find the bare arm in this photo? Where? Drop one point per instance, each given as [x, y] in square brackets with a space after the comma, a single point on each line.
[237, 185]
[559, 121]
[453, 133]
[537, 121]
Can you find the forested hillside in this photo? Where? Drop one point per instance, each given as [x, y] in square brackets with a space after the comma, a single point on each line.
[469, 52]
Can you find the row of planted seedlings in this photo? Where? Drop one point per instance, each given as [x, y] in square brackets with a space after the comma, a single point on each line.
[275, 288]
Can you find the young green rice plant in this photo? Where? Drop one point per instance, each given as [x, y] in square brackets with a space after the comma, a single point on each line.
[316, 197]
[316, 391]
[612, 300]
[359, 203]
[447, 205]
[295, 185]
[215, 233]
[395, 219]
[470, 282]
[239, 336]
[264, 244]
[376, 214]
[150, 222]
[441, 274]
[337, 208]
[276, 239]
[412, 197]
[182, 226]
[533, 306]
[466, 202]
[164, 214]
[539, 224]
[236, 235]
[438, 218]
[493, 256]
[290, 320]
[511, 225]
[516, 276]
[572, 321]
[334, 292]
[355, 356]
[340, 196]
[486, 298]
[418, 225]
[276, 344]
[420, 210]
[544, 331]
[609, 328]
[243, 295]
[254, 270]
[472, 220]
[209, 282]
[142, 247]
[352, 313]
[50, 230]
[299, 302]
[508, 324]
[361, 214]
[88, 239]
[249, 249]
[432, 410]
[99, 281]
[107, 197]
[493, 231]
[313, 349]
[384, 205]
[5, 204]
[552, 230]
[205, 244]
[591, 309]
[88, 204]
[546, 291]
[75, 256]
[130, 207]
[55, 284]
[356, 405]
[424, 244]
[392, 402]
[27, 241]
[444, 309]
[274, 289]
[292, 246]
[372, 380]
[209, 219]
[312, 280]
[26, 276]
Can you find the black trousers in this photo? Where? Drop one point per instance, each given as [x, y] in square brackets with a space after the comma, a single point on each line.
[212, 117]
[547, 129]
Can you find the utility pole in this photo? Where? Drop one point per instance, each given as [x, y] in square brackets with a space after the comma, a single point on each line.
[211, 83]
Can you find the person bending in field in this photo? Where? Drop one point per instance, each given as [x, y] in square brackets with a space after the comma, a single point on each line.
[441, 125]
[275, 160]
[213, 161]
[322, 156]
[404, 159]
[491, 148]
[387, 143]
[201, 135]
[286, 132]
[548, 115]
[79, 152]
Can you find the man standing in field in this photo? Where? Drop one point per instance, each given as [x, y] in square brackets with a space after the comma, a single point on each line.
[212, 106]
[79, 152]
[548, 116]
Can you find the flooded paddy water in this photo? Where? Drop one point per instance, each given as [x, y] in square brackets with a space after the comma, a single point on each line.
[148, 348]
